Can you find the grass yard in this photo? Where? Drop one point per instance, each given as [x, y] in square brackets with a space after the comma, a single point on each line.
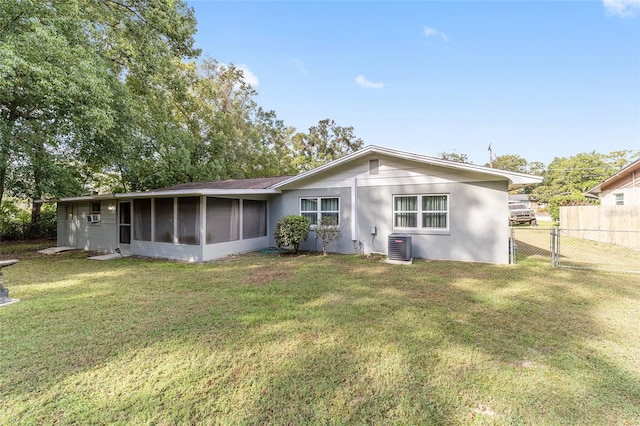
[261, 339]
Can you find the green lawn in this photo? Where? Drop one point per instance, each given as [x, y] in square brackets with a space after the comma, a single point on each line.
[262, 339]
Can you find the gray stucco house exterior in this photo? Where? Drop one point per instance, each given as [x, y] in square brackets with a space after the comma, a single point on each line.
[452, 211]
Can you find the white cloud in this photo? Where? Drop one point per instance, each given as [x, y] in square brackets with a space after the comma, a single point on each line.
[432, 32]
[299, 65]
[249, 77]
[623, 8]
[363, 82]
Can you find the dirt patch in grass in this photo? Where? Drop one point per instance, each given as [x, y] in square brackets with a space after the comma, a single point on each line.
[267, 275]
[24, 249]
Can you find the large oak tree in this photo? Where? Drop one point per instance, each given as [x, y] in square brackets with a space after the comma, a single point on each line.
[83, 84]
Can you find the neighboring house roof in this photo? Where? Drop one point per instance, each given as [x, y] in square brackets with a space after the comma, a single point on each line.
[522, 197]
[516, 180]
[633, 166]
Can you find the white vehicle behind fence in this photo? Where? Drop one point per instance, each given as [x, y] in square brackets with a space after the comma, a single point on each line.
[520, 214]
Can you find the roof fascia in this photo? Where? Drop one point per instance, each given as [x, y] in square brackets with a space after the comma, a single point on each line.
[182, 192]
[517, 179]
[82, 198]
[633, 165]
[175, 193]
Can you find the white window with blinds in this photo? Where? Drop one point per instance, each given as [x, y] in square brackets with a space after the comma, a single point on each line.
[315, 208]
[427, 211]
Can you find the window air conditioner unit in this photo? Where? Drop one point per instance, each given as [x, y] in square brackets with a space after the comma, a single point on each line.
[93, 218]
[399, 247]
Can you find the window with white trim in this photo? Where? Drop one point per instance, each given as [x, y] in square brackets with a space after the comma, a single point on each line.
[315, 208]
[428, 211]
[619, 199]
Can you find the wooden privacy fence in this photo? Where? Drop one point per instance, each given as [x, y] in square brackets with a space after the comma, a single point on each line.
[619, 225]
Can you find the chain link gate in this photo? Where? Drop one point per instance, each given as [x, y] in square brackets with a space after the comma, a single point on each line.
[530, 242]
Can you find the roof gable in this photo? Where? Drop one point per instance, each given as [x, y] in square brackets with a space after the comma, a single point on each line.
[273, 185]
[516, 180]
[633, 166]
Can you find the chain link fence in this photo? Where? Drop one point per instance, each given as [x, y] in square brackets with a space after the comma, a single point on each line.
[530, 242]
[606, 250]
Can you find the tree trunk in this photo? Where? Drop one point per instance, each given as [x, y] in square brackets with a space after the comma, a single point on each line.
[3, 172]
[4, 161]
[38, 159]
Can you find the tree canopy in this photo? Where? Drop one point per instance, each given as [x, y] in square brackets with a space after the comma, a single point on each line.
[82, 82]
[102, 95]
[454, 156]
[105, 95]
[325, 142]
[579, 173]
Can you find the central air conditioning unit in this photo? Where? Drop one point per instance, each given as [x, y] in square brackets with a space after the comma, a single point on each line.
[399, 247]
[93, 218]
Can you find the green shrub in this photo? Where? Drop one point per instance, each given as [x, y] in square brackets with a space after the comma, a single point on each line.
[15, 220]
[46, 227]
[290, 231]
[575, 199]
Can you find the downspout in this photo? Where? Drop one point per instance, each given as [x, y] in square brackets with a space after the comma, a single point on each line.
[634, 192]
[354, 212]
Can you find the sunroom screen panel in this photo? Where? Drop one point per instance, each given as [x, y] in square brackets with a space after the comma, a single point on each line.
[254, 219]
[164, 220]
[223, 220]
[142, 219]
[189, 220]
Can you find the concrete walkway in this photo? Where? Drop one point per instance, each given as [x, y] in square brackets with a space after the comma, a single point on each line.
[54, 250]
[110, 256]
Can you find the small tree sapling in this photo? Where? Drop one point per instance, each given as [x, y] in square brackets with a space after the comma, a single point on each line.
[328, 230]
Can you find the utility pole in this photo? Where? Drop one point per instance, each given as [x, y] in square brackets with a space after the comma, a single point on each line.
[490, 156]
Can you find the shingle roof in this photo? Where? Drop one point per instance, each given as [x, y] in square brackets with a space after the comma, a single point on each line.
[254, 183]
[628, 168]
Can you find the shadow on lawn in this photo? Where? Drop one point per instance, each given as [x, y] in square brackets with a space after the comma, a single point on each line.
[376, 344]
[520, 331]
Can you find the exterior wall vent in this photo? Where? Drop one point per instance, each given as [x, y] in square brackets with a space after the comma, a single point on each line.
[374, 167]
[399, 247]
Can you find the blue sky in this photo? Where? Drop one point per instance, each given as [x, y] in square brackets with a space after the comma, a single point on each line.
[538, 79]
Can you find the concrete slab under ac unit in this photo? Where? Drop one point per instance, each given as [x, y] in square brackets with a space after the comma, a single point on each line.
[399, 262]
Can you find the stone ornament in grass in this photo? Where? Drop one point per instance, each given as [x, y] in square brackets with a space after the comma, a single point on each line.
[4, 292]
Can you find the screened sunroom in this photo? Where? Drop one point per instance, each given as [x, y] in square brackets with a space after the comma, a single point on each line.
[192, 222]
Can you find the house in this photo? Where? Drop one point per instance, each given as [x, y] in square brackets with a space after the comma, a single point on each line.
[453, 211]
[621, 189]
[528, 200]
